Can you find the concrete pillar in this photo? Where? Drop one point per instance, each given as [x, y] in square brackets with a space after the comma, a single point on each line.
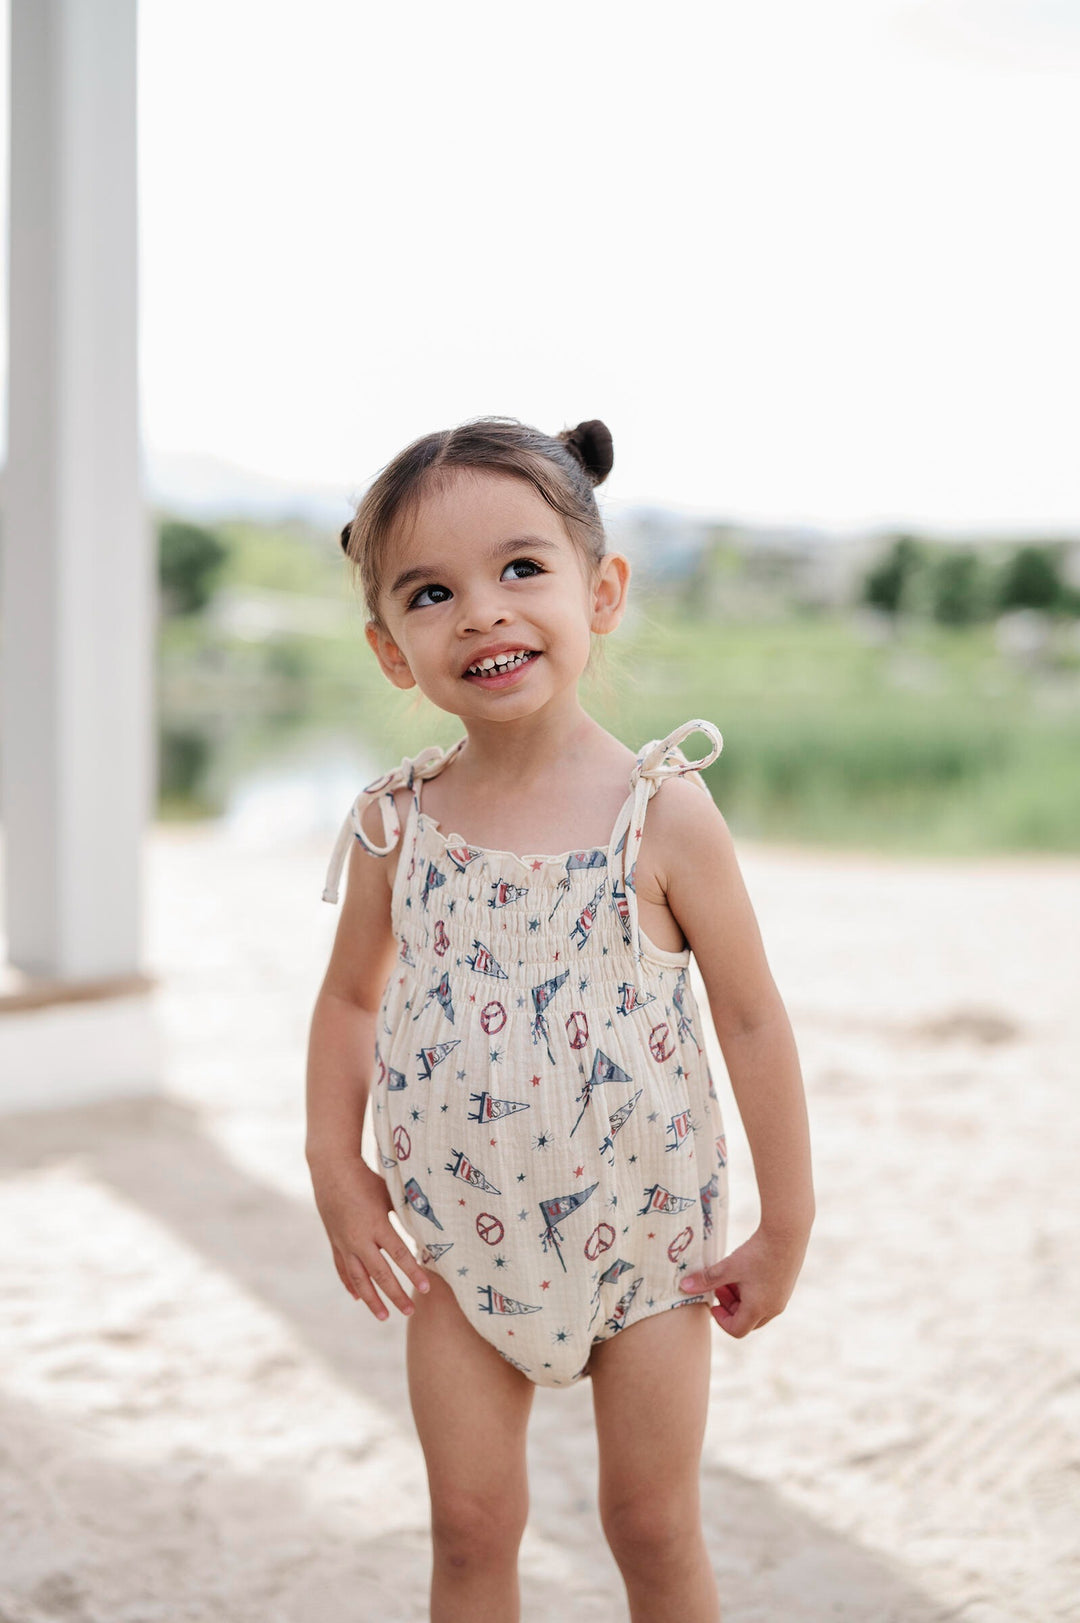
[78, 585]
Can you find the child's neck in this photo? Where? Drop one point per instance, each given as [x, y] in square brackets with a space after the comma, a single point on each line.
[511, 755]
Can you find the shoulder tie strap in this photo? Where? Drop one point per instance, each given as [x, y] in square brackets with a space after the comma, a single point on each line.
[425, 765]
[659, 759]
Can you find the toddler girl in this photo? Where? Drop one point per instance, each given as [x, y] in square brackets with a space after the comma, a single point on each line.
[524, 1026]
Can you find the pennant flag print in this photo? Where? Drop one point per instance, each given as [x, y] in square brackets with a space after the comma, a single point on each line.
[496, 1302]
[579, 860]
[630, 998]
[432, 1253]
[406, 954]
[616, 1122]
[678, 998]
[489, 1109]
[432, 880]
[419, 1202]
[618, 1319]
[484, 962]
[542, 996]
[395, 1080]
[434, 1055]
[659, 1199]
[603, 1070]
[555, 1211]
[505, 893]
[463, 1168]
[581, 929]
[707, 1194]
[461, 856]
[622, 910]
[443, 997]
[681, 1129]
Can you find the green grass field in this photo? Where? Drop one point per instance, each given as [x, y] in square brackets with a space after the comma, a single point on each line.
[926, 741]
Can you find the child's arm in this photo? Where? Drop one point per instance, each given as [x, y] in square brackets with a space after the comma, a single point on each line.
[352, 1200]
[696, 866]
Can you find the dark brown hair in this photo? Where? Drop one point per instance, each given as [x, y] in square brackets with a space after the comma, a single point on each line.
[563, 469]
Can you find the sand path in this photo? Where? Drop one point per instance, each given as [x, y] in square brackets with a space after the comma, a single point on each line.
[198, 1424]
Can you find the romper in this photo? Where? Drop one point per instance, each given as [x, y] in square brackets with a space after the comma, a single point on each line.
[543, 1108]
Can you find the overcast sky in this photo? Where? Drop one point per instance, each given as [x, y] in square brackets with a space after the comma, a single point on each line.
[810, 261]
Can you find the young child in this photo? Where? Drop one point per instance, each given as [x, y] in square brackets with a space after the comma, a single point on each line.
[524, 1025]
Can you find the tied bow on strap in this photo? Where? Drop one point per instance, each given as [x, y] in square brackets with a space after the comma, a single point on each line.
[425, 765]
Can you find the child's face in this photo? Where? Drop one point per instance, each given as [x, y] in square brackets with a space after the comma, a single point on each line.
[484, 570]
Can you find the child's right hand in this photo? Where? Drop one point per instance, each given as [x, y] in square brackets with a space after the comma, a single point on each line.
[355, 1207]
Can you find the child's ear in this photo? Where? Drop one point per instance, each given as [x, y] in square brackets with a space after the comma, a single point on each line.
[392, 661]
[609, 592]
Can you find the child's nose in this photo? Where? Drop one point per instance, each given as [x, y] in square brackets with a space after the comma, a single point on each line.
[480, 610]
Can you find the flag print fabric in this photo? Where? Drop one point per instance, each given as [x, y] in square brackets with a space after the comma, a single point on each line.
[542, 1104]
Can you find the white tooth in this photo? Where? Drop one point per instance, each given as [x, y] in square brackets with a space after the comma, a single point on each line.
[486, 664]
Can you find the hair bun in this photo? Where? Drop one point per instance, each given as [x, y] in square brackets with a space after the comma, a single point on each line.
[591, 444]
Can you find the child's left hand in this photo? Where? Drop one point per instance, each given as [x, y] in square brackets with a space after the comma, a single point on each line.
[752, 1284]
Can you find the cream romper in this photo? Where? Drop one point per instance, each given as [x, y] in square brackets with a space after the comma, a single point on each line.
[543, 1108]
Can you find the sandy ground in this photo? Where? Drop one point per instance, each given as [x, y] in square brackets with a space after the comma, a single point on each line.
[198, 1423]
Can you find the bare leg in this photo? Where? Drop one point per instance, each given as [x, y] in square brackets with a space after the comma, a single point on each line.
[471, 1409]
[650, 1394]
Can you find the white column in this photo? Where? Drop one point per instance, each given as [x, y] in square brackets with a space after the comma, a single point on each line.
[79, 589]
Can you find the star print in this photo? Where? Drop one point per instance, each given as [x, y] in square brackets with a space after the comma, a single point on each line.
[578, 1171]
[521, 1177]
[535, 865]
[462, 1272]
[401, 980]
[654, 1116]
[509, 1332]
[650, 1302]
[472, 898]
[491, 1141]
[545, 1284]
[556, 958]
[542, 1142]
[536, 1081]
[633, 1158]
[604, 951]
[650, 1236]
[450, 906]
[521, 1002]
[500, 1262]
[679, 1071]
[613, 1200]
[496, 1056]
[444, 1108]
[416, 1115]
[608, 1024]
[534, 924]
[461, 1202]
[560, 1335]
[523, 1217]
[461, 1076]
[472, 997]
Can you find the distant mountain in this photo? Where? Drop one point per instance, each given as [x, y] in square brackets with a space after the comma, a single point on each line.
[208, 489]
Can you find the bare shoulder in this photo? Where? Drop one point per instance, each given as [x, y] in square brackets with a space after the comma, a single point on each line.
[683, 825]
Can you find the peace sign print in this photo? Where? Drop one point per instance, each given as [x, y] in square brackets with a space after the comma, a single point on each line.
[489, 1228]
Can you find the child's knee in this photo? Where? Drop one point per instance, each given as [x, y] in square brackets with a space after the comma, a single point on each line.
[645, 1529]
[472, 1531]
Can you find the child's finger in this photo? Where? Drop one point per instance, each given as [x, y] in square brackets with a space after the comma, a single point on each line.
[382, 1275]
[343, 1272]
[399, 1252]
[365, 1290]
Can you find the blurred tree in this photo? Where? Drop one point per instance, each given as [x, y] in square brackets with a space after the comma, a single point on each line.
[1032, 579]
[887, 585]
[959, 591]
[190, 560]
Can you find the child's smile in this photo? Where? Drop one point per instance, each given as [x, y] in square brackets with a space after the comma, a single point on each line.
[488, 605]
